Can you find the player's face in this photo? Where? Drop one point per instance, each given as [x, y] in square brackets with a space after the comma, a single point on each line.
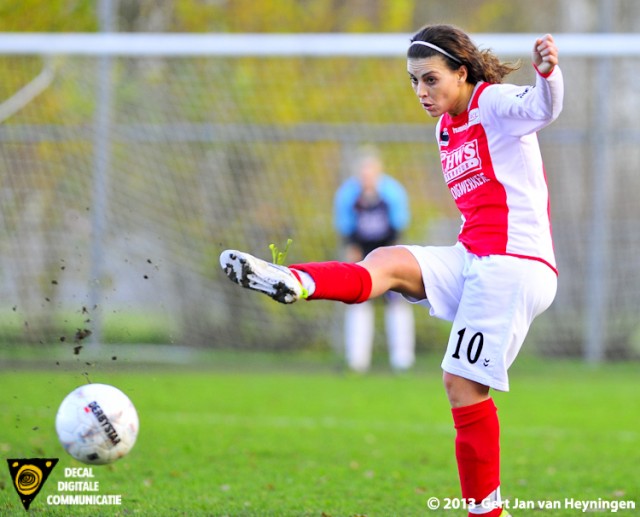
[439, 89]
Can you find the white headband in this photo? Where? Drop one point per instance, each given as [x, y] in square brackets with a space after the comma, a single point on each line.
[437, 48]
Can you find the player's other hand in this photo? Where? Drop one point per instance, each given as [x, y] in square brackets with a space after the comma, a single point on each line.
[545, 54]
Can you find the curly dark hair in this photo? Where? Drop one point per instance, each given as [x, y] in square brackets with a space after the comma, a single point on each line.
[482, 65]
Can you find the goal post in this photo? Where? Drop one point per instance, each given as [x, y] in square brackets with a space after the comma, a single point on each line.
[136, 158]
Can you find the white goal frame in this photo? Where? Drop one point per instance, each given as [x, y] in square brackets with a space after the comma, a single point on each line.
[295, 44]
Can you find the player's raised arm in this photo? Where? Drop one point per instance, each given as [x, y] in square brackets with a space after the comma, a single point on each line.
[545, 54]
[523, 110]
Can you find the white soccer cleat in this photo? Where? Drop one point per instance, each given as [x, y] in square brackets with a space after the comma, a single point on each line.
[274, 280]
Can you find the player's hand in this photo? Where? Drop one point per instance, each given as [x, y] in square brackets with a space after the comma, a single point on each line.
[545, 54]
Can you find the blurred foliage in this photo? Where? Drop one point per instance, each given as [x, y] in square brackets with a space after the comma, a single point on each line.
[279, 15]
[48, 16]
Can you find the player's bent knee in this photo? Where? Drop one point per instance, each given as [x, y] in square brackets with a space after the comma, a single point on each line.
[395, 268]
[463, 392]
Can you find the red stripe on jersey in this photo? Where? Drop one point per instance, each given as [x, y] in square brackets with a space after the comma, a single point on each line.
[468, 170]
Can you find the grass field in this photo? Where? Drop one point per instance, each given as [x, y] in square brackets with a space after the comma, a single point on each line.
[284, 438]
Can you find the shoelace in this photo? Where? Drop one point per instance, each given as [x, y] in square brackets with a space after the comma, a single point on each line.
[277, 255]
[278, 258]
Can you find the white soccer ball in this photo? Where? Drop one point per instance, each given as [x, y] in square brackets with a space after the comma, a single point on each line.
[97, 424]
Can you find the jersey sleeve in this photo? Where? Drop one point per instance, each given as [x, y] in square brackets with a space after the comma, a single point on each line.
[522, 110]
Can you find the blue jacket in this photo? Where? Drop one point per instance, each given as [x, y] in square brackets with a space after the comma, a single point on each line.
[389, 189]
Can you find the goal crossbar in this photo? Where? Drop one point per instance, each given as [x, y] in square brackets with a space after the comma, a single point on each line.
[294, 44]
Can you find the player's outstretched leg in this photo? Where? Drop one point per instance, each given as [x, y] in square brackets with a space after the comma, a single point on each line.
[274, 280]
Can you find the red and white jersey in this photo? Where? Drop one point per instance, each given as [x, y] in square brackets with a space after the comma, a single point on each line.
[492, 164]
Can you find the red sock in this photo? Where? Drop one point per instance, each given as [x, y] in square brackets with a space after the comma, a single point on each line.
[478, 451]
[340, 281]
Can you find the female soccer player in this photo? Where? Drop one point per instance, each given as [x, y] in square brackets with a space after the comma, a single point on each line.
[500, 274]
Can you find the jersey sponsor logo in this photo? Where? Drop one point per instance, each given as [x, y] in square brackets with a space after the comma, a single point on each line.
[461, 161]
[465, 186]
[472, 120]
[474, 116]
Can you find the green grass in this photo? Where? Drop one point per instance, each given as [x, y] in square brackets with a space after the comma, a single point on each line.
[305, 439]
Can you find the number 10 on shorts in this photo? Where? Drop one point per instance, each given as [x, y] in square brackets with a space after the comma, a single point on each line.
[473, 346]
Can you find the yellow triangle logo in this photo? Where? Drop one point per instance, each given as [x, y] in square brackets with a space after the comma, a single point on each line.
[29, 475]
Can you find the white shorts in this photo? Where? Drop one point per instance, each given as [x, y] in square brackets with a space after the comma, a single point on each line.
[491, 301]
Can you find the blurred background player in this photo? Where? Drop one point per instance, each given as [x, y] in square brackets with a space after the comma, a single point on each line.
[370, 210]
